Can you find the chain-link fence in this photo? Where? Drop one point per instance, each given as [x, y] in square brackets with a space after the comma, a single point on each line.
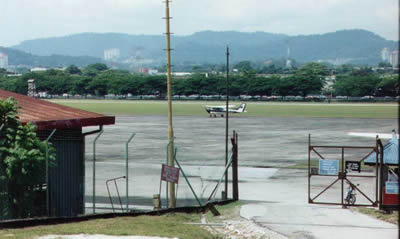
[200, 154]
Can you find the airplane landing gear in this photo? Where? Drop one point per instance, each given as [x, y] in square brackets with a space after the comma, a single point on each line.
[214, 115]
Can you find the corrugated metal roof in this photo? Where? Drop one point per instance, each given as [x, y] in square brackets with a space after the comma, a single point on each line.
[390, 153]
[47, 115]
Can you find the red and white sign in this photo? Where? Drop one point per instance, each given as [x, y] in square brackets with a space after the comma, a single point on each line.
[169, 174]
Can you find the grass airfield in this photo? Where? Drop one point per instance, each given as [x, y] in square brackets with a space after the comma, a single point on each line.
[254, 109]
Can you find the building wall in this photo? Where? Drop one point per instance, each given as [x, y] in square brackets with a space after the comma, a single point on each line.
[67, 176]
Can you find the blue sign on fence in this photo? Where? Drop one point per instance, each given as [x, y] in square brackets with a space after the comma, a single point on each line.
[328, 166]
[392, 187]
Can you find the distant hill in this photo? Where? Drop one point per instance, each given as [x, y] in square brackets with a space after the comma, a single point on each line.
[21, 58]
[346, 46]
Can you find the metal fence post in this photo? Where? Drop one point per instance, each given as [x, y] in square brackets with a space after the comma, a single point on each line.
[381, 183]
[47, 172]
[377, 170]
[127, 171]
[94, 170]
[342, 179]
[309, 168]
[235, 178]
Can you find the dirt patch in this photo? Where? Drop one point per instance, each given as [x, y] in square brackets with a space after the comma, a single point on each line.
[242, 229]
[232, 225]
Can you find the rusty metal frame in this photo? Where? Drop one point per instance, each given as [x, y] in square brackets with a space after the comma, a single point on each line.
[342, 175]
[116, 187]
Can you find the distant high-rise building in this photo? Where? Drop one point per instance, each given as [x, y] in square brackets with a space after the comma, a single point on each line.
[3, 60]
[394, 59]
[111, 54]
[288, 61]
[385, 54]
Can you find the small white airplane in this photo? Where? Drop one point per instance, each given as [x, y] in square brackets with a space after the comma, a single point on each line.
[213, 111]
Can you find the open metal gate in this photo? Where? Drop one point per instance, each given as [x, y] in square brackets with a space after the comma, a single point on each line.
[340, 171]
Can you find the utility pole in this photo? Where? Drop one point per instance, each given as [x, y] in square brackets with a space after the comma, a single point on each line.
[227, 121]
[172, 200]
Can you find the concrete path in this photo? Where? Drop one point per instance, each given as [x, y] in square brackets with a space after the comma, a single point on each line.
[296, 221]
[288, 213]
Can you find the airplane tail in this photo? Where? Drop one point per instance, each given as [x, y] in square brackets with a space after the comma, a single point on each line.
[242, 108]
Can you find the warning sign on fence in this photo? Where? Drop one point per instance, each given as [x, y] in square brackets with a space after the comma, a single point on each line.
[328, 166]
[353, 166]
[169, 174]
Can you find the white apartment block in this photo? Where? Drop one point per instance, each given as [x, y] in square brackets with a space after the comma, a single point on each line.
[111, 54]
[3, 60]
[394, 59]
[385, 54]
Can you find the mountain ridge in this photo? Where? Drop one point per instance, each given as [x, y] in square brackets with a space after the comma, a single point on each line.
[350, 46]
[23, 59]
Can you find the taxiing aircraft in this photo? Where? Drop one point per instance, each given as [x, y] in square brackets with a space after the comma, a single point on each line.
[213, 111]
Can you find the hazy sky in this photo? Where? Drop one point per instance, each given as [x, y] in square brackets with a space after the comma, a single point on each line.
[29, 19]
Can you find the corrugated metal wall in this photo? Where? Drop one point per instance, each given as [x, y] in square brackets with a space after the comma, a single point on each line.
[66, 179]
[4, 202]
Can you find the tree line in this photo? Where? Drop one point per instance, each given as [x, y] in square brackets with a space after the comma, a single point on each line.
[98, 79]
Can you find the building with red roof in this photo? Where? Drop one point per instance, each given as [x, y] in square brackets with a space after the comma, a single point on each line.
[48, 116]
[66, 186]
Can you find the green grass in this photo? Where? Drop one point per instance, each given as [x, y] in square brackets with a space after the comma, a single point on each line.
[267, 109]
[392, 218]
[171, 225]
